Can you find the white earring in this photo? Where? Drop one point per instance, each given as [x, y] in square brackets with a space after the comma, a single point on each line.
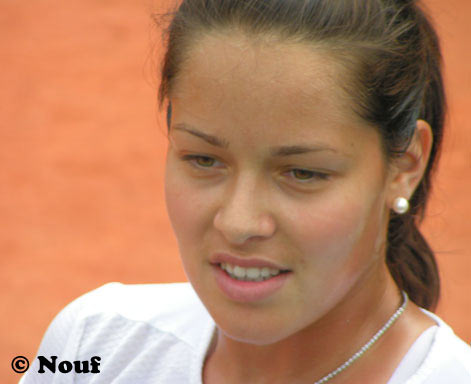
[401, 205]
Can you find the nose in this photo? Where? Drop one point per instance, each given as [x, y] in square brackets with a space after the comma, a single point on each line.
[244, 214]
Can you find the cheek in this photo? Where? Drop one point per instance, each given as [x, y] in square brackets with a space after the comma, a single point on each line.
[183, 215]
[181, 207]
[336, 232]
[189, 210]
[325, 229]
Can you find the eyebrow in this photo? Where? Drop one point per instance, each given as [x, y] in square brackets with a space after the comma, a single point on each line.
[213, 140]
[279, 151]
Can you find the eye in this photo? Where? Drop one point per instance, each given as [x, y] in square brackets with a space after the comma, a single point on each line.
[199, 161]
[307, 176]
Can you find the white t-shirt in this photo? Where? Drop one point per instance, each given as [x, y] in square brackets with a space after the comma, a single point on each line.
[160, 333]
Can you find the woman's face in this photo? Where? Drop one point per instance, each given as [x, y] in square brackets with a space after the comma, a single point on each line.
[321, 214]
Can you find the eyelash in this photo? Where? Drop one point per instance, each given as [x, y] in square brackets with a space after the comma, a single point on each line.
[315, 175]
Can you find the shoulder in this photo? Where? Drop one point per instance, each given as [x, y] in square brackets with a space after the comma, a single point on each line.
[165, 307]
[127, 326]
[448, 360]
[152, 303]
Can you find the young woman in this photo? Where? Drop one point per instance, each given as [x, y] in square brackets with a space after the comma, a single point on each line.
[302, 139]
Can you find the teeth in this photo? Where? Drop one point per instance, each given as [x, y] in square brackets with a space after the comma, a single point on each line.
[240, 272]
[249, 274]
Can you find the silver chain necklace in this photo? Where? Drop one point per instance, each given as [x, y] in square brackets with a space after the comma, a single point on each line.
[368, 345]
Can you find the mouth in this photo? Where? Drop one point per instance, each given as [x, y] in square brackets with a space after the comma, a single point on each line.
[254, 274]
[246, 285]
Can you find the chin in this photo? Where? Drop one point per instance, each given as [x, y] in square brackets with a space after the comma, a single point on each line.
[256, 325]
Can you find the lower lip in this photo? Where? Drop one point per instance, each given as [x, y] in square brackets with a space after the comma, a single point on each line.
[248, 291]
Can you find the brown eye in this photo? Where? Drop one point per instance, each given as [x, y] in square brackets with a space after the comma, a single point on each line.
[204, 161]
[199, 161]
[302, 174]
[306, 176]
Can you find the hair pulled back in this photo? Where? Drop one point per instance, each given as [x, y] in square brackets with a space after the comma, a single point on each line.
[393, 54]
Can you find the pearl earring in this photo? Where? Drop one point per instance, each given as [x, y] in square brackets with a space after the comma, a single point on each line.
[401, 205]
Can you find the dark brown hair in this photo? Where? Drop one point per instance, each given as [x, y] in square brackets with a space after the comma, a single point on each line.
[393, 54]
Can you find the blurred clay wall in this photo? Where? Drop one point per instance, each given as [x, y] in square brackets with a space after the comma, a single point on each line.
[82, 151]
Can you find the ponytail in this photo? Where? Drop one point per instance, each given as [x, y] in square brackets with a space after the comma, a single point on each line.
[411, 262]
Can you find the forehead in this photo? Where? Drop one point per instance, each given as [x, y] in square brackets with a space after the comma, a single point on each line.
[252, 82]
[234, 64]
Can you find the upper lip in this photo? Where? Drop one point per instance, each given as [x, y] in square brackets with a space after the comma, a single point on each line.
[253, 262]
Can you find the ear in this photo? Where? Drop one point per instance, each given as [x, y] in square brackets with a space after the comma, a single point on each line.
[407, 170]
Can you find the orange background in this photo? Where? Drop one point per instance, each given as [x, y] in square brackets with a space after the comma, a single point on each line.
[82, 154]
